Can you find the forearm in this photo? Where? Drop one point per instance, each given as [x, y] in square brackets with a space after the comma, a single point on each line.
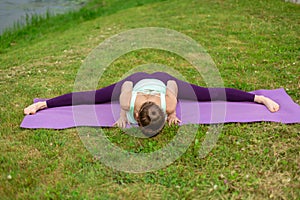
[123, 113]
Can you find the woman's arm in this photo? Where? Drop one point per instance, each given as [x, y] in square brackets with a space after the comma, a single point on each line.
[125, 97]
[171, 101]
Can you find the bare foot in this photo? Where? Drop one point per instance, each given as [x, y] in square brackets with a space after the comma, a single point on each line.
[33, 108]
[269, 103]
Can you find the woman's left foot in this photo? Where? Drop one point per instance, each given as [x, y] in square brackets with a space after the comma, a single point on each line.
[269, 103]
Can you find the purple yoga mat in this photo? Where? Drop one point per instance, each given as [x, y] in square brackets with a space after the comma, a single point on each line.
[104, 115]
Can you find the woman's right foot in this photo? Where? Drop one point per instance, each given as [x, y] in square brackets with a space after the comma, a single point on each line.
[33, 108]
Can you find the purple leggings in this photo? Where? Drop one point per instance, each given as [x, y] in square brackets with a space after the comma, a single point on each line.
[185, 91]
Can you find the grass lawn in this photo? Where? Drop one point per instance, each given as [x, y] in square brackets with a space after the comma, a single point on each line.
[255, 45]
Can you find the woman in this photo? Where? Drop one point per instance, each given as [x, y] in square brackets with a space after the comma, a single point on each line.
[150, 100]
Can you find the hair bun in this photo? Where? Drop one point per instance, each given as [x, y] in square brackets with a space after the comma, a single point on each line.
[151, 119]
[153, 114]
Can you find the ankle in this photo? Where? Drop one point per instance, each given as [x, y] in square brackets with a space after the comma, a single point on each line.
[41, 105]
[259, 99]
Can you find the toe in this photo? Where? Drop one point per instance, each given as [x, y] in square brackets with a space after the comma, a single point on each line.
[275, 108]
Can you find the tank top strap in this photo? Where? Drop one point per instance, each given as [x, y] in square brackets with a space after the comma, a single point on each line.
[163, 103]
[130, 113]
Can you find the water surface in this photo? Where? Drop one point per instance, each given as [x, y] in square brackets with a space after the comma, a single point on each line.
[12, 11]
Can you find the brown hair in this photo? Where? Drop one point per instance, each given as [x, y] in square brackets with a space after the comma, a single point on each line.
[151, 119]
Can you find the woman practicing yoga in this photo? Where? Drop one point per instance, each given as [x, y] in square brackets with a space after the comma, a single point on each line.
[150, 100]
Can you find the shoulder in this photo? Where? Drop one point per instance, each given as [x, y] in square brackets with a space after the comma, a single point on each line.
[127, 86]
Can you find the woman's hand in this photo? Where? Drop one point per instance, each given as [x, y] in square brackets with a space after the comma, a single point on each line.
[121, 122]
[172, 119]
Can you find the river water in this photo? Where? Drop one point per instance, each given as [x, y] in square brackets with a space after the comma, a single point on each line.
[12, 11]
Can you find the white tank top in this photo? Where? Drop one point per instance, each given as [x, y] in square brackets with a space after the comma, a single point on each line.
[147, 86]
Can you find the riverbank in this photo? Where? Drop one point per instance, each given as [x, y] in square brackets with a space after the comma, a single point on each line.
[38, 25]
[293, 1]
[255, 45]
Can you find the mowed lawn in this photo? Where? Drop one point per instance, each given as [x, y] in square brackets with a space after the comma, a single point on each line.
[254, 44]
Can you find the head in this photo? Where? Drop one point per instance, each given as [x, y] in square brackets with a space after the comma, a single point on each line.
[151, 119]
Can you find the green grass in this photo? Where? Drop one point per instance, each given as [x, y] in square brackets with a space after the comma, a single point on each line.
[255, 44]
